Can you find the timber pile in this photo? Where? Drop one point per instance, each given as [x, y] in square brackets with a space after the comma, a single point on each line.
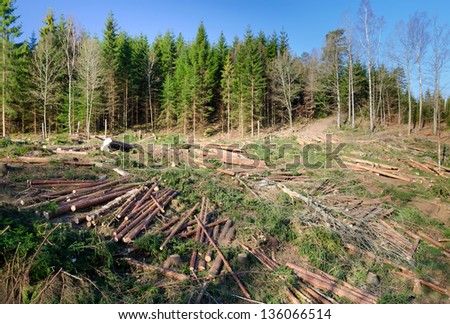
[313, 285]
[206, 260]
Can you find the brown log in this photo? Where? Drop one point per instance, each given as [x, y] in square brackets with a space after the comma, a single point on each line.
[112, 204]
[387, 213]
[291, 297]
[37, 182]
[414, 247]
[444, 240]
[418, 165]
[225, 262]
[225, 230]
[355, 295]
[157, 204]
[179, 225]
[198, 237]
[79, 163]
[165, 272]
[372, 164]
[434, 242]
[80, 205]
[216, 232]
[442, 290]
[216, 266]
[69, 152]
[229, 236]
[215, 224]
[141, 222]
[227, 172]
[173, 260]
[25, 159]
[167, 225]
[127, 205]
[378, 171]
[201, 264]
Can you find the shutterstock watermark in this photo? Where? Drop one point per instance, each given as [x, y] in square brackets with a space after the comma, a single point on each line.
[266, 155]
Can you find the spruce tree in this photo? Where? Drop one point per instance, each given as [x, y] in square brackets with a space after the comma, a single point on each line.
[9, 30]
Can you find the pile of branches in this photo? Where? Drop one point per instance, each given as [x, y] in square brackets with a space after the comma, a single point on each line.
[358, 225]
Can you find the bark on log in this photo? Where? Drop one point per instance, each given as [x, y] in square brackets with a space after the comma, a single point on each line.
[173, 260]
[225, 262]
[216, 266]
[180, 224]
[214, 225]
[434, 242]
[80, 205]
[229, 236]
[225, 230]
[372, 164]
[355, 295]
[112, 204]
[26, 159]
[165, 272]
[379, 172]
[140, 223]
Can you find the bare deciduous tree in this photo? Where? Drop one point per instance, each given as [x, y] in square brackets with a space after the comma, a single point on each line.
[89, 72]
[285, 75]
[370, 32]
[441, 53]
[45, 71]
[400, 52]
[419, 38]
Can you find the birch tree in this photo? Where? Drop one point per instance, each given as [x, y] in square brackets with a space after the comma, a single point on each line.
[285, 75]
[440, 54]
[419, 38]
[370, 29]
[89, 73]
[45, 72]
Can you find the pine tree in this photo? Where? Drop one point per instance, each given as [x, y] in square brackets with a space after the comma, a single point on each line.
[9, 30]
[138, 76]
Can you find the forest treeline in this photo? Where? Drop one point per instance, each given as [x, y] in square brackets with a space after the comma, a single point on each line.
[66, 80]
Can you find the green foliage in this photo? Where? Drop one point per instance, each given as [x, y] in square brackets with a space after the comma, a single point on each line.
[392, 297]
[323, 249]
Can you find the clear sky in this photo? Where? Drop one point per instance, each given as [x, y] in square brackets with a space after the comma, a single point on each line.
[305, 21]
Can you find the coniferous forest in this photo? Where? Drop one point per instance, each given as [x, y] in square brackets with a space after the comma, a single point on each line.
[64, 79]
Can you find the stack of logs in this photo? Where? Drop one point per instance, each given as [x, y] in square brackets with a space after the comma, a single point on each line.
[311, 283]
[203, 258]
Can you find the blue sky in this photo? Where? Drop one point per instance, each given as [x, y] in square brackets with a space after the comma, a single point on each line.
[306, 22]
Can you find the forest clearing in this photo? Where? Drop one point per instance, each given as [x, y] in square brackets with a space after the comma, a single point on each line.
[81, 225]
[188, 168]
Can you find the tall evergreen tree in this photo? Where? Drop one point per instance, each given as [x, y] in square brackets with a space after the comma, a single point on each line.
[109, 65]
[201, 78]
[9, 30]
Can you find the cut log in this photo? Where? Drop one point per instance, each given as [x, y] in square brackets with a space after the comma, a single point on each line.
[434, 242]
[243, 258]
[215, 224]
[378, 171]
[227, 172]
[291, 297]
[69, 152]
[225, 230]
[372, 164]
[25, 159]
[180, 224]
[354, 294]
[165, 272]
[216, 266]
[229, 236]
[141, 222]
[112, 204]
[168, 225]
[225, 262]
[173, 261]
[82, 204]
